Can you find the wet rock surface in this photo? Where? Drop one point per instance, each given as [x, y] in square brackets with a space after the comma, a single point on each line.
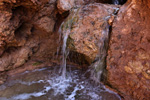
[129, 53]
[87, 28]
[67, 5]
[28, 39]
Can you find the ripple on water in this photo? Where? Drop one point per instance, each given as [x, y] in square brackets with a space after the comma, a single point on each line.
[44, 84]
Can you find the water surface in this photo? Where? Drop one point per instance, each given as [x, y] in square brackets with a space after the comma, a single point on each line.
[48, 84]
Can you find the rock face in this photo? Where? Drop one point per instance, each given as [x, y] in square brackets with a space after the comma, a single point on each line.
[66, 5]
[26, 32]
[128, 61]
[88, 29]
[129, 53]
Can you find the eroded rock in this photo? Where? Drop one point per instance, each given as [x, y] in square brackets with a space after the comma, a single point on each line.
[88, 28]
[26, 30]
[129, 53]
[66, 5]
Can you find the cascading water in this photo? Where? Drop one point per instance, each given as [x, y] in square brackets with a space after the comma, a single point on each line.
[67, 83]
[96, 69]
[64, 34]
[65, 53]
[51, 87]
[70, 85]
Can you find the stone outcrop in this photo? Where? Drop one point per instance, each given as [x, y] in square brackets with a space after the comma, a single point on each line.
[128, 61]
[26, 32]
[28, 38]
[88, 29]
[66, 5]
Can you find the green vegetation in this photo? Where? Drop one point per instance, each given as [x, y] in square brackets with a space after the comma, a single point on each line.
[37, 63]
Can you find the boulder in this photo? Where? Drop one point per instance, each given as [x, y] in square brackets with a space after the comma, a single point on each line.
[67, 5]
[64, 5]
[128, 61]
[88, 29]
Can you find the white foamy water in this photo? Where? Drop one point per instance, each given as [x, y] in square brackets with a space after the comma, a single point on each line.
[65, 53]
[26, 96]
[58, 85]
[54, 87]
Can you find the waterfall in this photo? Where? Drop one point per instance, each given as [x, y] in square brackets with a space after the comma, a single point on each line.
[64, 53]
[64, 30]
[96, 69]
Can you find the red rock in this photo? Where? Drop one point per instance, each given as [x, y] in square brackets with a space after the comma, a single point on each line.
[26, 32]
[128, 61]
[87, 27]
[66, 5]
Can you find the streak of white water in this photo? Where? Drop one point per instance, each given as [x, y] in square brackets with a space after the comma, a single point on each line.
[65, 53]
[75, 87]
[59, 41]
[96, 68]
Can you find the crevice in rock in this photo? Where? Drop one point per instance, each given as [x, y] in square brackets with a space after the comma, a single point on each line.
[18, 35]
[10, 49]
[105, 72]
[60, 19]
[77, 58]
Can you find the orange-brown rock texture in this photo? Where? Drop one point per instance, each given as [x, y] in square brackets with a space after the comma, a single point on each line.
[27, 32]
[29, 39]
[66, 5]
[88, 28]
[129, 53]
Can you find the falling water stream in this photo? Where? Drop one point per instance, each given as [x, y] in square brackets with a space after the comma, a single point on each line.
[64, 53]
[44, 84]
[64, 82]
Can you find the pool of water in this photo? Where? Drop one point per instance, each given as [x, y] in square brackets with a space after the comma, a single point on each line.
[48, 84]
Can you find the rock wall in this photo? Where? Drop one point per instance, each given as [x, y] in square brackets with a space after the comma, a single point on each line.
[88, 29]
[27, 32]
[128, 61]
[28, 38]
[66, 5]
